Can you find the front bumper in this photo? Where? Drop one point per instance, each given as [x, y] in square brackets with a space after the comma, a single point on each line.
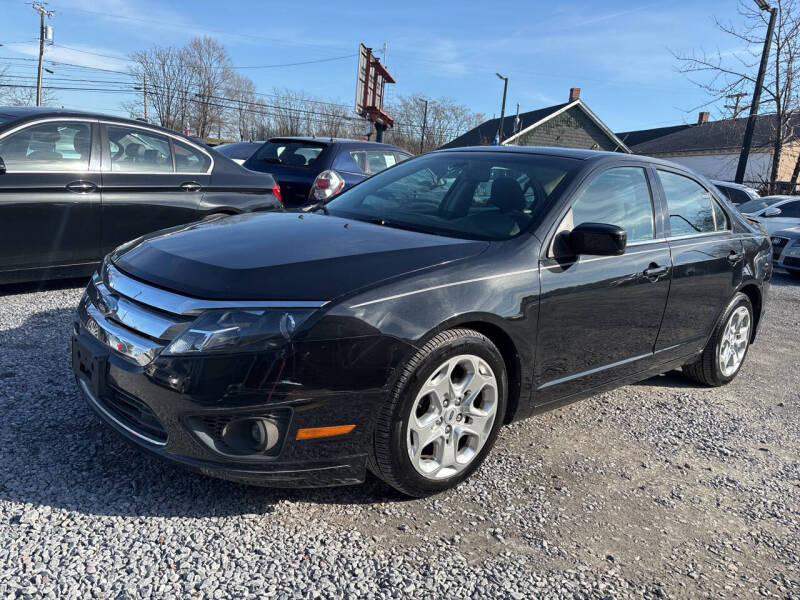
[149, 408]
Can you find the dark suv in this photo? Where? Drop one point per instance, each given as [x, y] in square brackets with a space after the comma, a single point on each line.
[311, 170]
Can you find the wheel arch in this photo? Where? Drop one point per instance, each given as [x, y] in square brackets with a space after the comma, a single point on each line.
[754, 293]
[500, 337]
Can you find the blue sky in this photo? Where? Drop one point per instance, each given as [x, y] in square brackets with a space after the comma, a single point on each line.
[617, 52]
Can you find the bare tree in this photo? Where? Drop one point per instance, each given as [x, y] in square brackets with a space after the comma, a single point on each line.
[728, 75]
[16, 94]
[211, 71]
[241, 95]
[165, 74]
[445, 120]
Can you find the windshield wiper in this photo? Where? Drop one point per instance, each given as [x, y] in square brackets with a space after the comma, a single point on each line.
[392, 224]
[317, 206]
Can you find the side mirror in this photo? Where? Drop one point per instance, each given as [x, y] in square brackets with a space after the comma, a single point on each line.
[2, 166]
[772, 211]
[599, 239]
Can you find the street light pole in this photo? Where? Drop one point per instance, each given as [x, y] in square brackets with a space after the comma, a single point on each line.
[751, 120]
[502, 109]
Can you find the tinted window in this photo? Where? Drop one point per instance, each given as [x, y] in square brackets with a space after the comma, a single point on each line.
[290, 152]
[738, 196]
[48, 147]
[619, 196]
[132, 149]
[790, 209]
[470, 195]
[238, 150]
[189, 159]
[691, 208]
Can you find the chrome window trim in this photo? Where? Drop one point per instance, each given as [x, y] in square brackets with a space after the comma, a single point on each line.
[27, 124]
[185, 305]
[99, 406]
[166, 134]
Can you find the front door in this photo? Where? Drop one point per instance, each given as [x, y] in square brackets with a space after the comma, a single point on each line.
[708, 262]
[599, 315]
[49, 196]
[150, 182]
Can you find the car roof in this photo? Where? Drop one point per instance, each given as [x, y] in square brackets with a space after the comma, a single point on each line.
[731, 184]
[25, 113]
[336, 140]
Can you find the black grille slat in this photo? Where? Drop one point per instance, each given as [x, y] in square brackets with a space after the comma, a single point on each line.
[134, 413]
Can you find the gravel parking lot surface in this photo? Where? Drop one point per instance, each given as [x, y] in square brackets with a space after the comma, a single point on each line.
[661, 489]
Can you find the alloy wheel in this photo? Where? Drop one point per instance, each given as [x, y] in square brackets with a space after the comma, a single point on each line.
[452, 416]
[735, 339]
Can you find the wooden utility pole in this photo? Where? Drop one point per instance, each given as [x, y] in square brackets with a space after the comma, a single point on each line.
[144, 96]
[41, 8]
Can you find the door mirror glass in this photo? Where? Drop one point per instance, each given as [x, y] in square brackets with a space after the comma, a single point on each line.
[772, 211]
[599, 239]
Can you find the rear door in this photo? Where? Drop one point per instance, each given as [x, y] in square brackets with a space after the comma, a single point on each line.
[707, 259]
[49, 195]
[150, 181]
[599, 316]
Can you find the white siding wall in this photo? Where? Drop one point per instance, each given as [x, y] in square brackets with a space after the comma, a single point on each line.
[723, 166]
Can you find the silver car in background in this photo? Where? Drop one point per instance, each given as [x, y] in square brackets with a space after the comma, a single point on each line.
[774, 212]
[786, 250]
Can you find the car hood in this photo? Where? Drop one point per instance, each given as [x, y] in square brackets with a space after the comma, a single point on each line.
[283, 256]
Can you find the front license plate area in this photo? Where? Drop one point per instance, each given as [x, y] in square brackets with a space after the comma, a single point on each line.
[89, 366]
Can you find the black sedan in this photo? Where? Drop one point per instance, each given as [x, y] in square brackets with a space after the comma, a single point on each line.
[397, 327]
[75, 185]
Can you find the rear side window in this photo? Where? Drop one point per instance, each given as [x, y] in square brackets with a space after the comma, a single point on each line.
[189, 159]
[790, 209]
[48, 147]
[618, 196]
[691, 208]
[373, 161]
[135, 150]
[294, 153]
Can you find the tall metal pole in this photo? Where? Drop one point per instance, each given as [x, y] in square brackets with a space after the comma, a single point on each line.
[502, 108]
[424, 124]
[751, 120]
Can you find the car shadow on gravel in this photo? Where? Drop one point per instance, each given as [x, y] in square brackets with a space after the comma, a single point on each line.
[58, 454]
[671, 379]
[9, 289]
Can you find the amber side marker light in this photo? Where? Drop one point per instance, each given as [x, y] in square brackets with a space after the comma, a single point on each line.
[321, 432]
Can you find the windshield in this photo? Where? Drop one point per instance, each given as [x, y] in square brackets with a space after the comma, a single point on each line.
[295, 153]
[486, 196]
[759, 203]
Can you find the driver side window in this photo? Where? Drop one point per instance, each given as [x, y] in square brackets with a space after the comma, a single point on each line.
[618, 196]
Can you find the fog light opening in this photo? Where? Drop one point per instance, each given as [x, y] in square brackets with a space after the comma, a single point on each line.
[253, 435]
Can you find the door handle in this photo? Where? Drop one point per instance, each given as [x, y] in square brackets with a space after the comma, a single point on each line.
[653, 272]
[81, 187]
[735, 257]
[191, 186]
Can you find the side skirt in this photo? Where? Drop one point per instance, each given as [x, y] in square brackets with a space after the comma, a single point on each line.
[628, 379]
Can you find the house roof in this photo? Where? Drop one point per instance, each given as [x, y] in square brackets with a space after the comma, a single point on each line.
[726, 134]
[634, 138]
[485, 132]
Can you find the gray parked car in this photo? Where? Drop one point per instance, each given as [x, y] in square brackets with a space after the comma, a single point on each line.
[786, 250]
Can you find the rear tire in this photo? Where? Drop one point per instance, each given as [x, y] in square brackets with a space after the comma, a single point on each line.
[443, 415]
[724, 354]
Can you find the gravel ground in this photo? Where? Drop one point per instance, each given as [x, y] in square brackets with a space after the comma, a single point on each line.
[661, 489]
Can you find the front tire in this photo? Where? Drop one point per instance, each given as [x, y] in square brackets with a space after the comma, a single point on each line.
[443, 416]
[724, 354]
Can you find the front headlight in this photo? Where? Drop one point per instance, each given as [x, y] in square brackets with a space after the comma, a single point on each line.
[238, 331]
